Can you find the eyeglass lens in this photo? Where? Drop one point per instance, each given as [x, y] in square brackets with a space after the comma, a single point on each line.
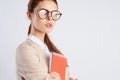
[43, 13]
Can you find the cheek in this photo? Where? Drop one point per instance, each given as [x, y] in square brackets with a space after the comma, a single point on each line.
[36, 22]
[33, 20]
[54, 23]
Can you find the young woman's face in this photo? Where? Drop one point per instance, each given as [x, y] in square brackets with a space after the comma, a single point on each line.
[41, 23]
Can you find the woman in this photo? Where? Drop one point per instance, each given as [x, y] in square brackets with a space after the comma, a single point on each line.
[32, 56]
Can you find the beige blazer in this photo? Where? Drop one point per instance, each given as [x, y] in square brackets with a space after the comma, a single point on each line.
[31, 62]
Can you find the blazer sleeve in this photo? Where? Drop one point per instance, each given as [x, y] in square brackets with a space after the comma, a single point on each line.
[28, 64]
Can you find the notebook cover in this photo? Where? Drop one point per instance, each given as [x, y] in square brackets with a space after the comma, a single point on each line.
[58, 63]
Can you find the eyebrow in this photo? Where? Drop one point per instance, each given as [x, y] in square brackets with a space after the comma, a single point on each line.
[46, 9]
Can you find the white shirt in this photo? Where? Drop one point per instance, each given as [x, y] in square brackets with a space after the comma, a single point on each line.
[42, 45]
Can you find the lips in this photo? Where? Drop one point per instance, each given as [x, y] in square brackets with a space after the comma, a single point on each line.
[48, 25]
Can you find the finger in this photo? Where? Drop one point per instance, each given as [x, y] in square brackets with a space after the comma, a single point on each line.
[55, 73]
[71, 78]
[55, 76]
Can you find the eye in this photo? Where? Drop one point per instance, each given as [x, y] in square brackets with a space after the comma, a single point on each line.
[43, 13]
[56, 15]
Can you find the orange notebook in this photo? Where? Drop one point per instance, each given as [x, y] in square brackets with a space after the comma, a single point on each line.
[58, 63]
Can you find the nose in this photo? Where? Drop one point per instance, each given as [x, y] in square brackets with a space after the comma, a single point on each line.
[49, 17]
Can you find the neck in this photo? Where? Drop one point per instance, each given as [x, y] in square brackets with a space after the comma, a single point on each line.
[38, 34]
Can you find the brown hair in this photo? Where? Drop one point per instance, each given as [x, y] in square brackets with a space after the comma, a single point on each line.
[31, 5]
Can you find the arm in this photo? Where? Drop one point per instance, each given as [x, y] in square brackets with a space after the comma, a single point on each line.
[28, 64]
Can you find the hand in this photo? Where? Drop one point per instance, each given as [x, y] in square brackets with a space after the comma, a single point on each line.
[72, 78]
[54, 75]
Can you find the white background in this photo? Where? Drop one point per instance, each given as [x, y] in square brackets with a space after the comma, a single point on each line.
[88, 33]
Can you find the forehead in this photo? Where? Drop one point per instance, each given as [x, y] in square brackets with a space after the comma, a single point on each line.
[49, 5]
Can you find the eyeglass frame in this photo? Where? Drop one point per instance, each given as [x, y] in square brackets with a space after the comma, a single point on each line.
[48, 12]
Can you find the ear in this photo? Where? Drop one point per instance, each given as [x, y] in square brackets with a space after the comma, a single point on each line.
[29, 15]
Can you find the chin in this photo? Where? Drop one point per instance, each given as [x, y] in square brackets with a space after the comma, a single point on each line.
[48, 31]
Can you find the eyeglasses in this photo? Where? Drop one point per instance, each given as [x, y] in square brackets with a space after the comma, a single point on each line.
[44, 13]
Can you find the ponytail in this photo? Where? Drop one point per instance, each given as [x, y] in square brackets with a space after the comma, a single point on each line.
[29, 30]
[50, 45]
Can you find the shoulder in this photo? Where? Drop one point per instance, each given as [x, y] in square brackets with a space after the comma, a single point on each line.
[27, 47]
[26, 51]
